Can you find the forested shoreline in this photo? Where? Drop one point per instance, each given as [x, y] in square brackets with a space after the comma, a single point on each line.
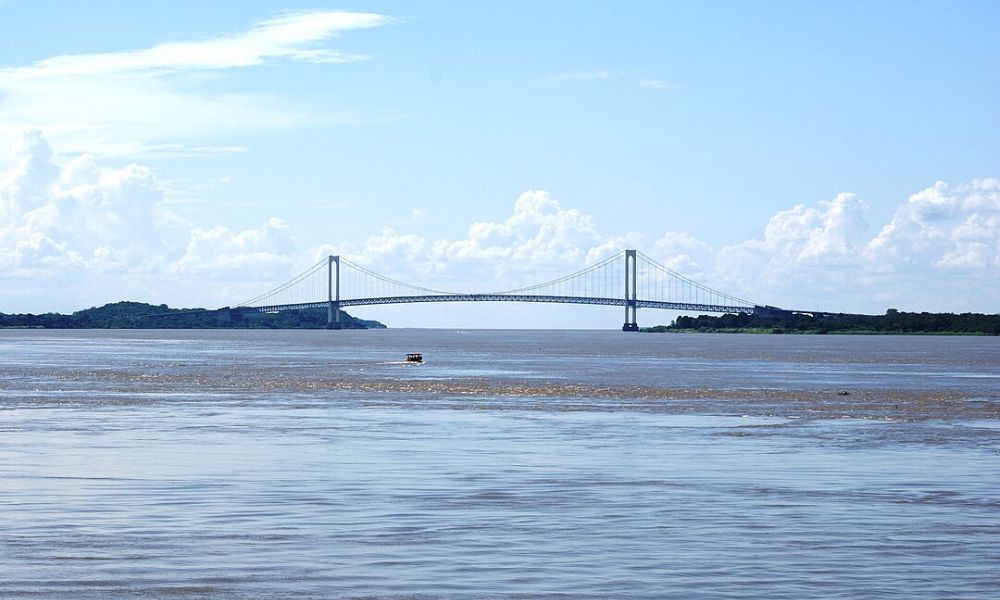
[893, 322]
[139, 315]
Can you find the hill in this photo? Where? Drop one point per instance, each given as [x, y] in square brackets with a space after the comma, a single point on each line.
[139, 315]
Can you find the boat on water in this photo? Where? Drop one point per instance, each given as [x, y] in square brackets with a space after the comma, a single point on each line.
[415, 357]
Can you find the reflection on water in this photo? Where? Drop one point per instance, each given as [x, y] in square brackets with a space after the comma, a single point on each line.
[317, 464]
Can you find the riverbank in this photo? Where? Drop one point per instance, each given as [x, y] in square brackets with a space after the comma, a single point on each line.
[893, 322]
[139, 315]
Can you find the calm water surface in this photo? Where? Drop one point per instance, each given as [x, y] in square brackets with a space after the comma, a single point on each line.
[256, 464]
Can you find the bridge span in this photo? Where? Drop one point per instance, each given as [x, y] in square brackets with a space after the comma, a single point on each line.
[641, 281]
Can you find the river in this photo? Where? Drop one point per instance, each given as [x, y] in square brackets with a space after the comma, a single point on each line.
[525, 464]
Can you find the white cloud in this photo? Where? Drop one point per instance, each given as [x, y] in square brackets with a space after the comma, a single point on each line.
[384, 249]
[600, 74]
[80, 230]
[952, 228]
[939, 251]
[262, 253]
[658, 84]
[982, 194]
[807, 254]
[683, 253]
[803, 248]
[826, 235]
[968, 255]
[293, 36]
[609, 246]
[540, 239]
[78, 214]
[539, 231]
[142, 102]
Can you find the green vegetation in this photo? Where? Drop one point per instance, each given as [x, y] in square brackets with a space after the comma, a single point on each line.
[137, 315]
[892, 322]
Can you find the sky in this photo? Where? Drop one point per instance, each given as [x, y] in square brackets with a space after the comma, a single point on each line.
[840, 156]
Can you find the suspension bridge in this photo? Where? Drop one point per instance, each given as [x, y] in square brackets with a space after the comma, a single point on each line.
[629, 279]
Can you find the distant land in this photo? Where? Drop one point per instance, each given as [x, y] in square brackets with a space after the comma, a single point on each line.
[138, 315]
[893, 322]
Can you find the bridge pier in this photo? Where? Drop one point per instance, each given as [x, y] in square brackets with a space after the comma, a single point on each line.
[630, 293]
[333, 305]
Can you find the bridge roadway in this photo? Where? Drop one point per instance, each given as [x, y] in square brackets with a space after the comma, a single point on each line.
[344, 303]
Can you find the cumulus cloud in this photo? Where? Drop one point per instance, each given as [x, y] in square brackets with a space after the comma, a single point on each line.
[823, 235]
[78, 214]
[539, 231]
[681, 252]
[539, 239]
[101, 102]
[940, 250]
[75, 226]
[950, 227]
[261, 253]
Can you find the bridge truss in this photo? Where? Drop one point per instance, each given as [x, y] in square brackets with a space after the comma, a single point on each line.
[629, 279]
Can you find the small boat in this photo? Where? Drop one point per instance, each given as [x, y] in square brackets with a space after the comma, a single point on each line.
[415, 357]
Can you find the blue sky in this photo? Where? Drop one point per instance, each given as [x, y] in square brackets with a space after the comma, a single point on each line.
[841, 156]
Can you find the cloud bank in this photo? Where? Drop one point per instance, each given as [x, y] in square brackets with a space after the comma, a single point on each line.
[75, 232]
[940, 251]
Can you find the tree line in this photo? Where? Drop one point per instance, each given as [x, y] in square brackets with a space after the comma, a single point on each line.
[139, 315]
[892, 322]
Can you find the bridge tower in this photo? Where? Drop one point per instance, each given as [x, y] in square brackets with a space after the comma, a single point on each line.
[333, 292]
[630, 292]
